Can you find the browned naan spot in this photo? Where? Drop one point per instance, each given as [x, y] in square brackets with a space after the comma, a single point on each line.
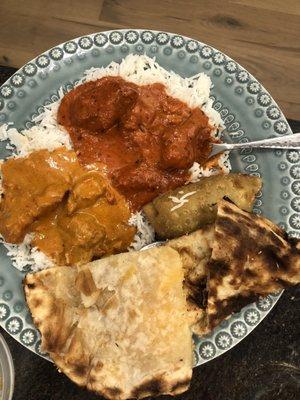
[228, 227]
[218, 268]
[239, 253]
[36, 302]
[98, 366]
[30, 285]
[184, 251]
[81, 370]
[292, 241]
[152, 387]
[85, 282]
[272, 261]
[220, 236]
[58, 331]
[248, 272]
[282, 282]
[47, 335]
[226, 209]
[197, 292]
[228, 307]
[180, 385]
[112, 392]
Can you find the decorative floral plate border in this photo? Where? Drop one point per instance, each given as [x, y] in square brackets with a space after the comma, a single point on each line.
[247, 109]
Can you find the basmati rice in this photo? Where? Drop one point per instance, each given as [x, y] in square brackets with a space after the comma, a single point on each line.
[24, 256]
[197, 172]
[145, 232]
[48, 134]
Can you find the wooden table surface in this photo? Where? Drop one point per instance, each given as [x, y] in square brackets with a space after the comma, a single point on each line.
[262, 35]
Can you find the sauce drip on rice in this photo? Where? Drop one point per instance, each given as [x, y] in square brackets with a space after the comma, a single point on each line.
[146, 139]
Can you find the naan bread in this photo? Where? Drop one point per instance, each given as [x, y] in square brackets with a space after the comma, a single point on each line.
[233, 262]
[195, 252]
[118, 325]
[251, 257]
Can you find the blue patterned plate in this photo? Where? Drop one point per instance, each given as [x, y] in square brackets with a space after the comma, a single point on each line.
[249, 113]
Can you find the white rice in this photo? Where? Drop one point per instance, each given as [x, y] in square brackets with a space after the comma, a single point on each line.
[25, 257]
[145, 232]
[47, 134]
[198, 172]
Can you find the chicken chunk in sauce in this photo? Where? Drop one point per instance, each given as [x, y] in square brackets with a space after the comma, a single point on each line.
[73, 211]
[147, 139]
[32, 186]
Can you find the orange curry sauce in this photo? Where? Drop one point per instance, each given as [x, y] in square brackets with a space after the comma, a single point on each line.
[73, 212]
[146, 139]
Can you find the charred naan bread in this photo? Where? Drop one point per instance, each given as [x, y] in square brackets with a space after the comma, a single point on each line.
[195, 252]
[190, 207]
[118, 325]
[251, 257]
[233, 262]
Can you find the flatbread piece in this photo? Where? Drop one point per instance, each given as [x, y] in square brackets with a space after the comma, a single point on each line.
[195, 252]
[251, 257]
[118, 325]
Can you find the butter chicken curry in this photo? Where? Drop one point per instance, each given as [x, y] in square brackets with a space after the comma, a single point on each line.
[73, 211]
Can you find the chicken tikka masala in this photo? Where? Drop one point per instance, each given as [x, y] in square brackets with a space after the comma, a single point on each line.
[147, 139]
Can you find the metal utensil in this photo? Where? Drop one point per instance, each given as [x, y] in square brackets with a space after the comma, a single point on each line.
[284, 142]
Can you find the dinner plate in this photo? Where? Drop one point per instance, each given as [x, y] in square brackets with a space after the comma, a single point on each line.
[247, 109]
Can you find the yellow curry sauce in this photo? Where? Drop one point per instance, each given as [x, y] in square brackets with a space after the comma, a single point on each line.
[73, 211]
